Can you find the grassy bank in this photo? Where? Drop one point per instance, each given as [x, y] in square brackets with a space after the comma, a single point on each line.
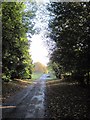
[52, 77]
[36, 76]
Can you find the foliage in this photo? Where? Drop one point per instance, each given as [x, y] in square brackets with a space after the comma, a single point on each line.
[53, 69]
[40, 68]
[70, 26]
[16, 59]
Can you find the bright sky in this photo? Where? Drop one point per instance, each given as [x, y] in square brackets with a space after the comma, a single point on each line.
[42, 1]
[38, 50]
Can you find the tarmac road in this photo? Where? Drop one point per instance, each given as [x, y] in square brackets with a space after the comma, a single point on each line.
[29, 103]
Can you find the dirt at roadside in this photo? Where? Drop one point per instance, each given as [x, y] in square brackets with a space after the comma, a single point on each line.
[11, 88]
[67, 101]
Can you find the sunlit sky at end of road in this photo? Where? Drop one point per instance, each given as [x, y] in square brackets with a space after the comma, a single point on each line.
[42, 1]
[38, 50]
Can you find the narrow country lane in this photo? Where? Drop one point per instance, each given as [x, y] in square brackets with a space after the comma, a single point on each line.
[29, 103]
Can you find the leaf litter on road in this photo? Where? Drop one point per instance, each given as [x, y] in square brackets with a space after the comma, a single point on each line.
[66, 100]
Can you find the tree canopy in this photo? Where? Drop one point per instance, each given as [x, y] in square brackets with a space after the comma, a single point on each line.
[70, 27]
[39, 67]
[16, 58]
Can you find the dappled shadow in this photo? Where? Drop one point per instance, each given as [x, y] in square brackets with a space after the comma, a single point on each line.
[66, 100]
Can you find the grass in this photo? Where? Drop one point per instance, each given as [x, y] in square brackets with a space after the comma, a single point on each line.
[52, 77]
[36, 76]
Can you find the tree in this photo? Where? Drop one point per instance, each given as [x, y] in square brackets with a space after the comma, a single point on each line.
[16, 59]
[70, 31]
[38, 67]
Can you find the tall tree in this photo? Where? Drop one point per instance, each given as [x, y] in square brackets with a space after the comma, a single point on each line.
[70, 28]
[16, 59]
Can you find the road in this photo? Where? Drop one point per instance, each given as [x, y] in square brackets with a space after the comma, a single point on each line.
[29, 103]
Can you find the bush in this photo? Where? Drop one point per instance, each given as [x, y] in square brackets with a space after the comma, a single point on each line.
[5, 78]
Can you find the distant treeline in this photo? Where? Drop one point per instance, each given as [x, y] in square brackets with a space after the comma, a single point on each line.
[39, 67]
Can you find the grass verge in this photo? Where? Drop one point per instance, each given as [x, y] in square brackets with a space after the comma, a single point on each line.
[36, 76]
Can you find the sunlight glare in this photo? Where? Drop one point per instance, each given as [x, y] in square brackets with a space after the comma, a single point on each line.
[38, 50]
[41, 1]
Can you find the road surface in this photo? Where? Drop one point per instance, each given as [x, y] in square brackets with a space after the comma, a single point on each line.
[29, 103]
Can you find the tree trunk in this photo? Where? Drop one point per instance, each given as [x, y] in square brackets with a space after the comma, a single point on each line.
[88, 78]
